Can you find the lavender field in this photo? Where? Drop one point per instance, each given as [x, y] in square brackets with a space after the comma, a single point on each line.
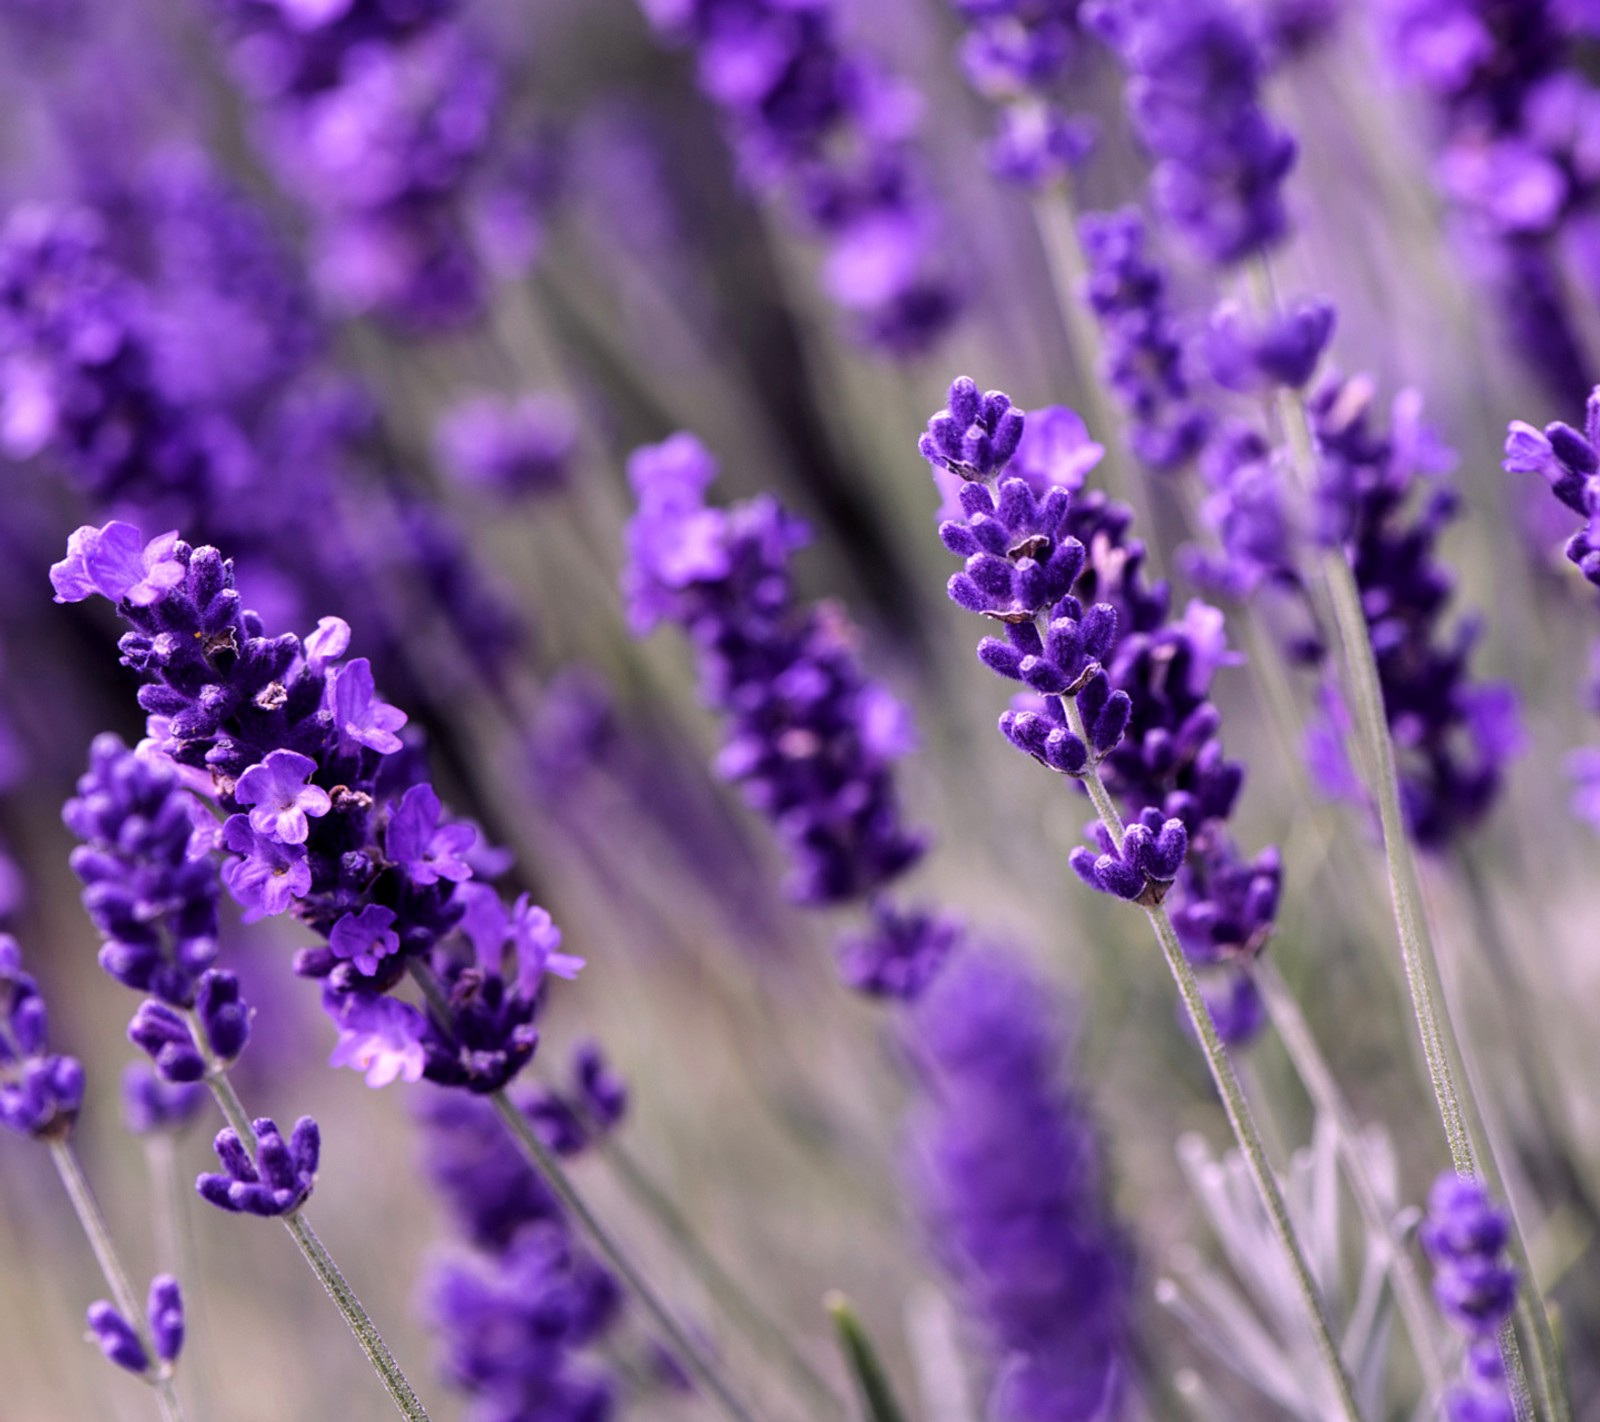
[800, 710]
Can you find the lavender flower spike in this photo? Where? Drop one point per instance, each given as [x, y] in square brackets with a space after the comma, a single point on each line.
[119, 1339]
[40, 1090]
[276, 1182]
[1006, 1172]
[1465, 1235]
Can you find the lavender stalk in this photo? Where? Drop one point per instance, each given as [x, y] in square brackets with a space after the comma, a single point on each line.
[1234, 1103]
[334, 1283]
[1314, 1073]
[87, 1210]
[1416, 949]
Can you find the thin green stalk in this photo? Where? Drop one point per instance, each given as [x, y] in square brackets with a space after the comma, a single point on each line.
[333, 1282]
[1323, 1089]
[87, 1209]
[727, 1290]
[1365, 691]
[1234, 1103]
[545, 1162]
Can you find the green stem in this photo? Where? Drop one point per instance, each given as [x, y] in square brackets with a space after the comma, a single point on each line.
[545, 1162]
[333, 1282]
[84, 1205]
[1234, 1103]
[1365, 690]
[727, 1290]
[1323, 1089]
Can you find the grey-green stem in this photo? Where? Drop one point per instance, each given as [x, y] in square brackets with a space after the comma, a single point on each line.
[333, 1282]
[1323, 1089]
[736, 1301]
[1365, 692]
[676, 1335]
[1234, 1104]
[87, 1209]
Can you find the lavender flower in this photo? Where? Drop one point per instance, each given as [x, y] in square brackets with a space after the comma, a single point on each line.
[899, 953]
[40, 1090]
[1144, 363]
[835, 134]
[276, 1181]
[1453, 738]
[378, 118]
[518, 1312]
[1195, 73]
[808, 736]
[1465, 1236]
[592, 1104]
[302, 733]
[1021, 55]
[1514, 110]
[150, 1104]
[119, 1339]
[1008, 1179]
[1036, 554]
[513, 448]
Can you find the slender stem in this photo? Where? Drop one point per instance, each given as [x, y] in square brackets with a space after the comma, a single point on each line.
[333, 1282]
[84, 1205]
[1234, 1103]
[727, 1290]
[549, 1167]
[1365, 689]
[1313, 1070]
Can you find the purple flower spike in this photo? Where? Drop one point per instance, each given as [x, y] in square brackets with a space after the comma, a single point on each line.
[900, 953]
[1151, 855]
[365, 938]
[595, 1101]
[975, 435]
[116, 563]
[1465, 1236]
[1036, 1255]
[150, 1104]
[152, 898]
[1245, 354]
[117, 1338]
[165, 1309]
[276, 1182]
[423, 848]
[40, 1091]
[276, 789]
[165, 1038]
[357, 713]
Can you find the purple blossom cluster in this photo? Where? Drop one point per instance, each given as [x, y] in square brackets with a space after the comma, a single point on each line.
[1517, 114]
[323, 819]
[1569, 462]
[77, 369]
[1144, 364]
[520, 1305]
[1465, 1235]
[119, 1340]
[512, 448]
[1453, 735]
[808, 736]
[1057, 568]
[1022, 56]
[1194, 80]
[835, 134]
[40, 1090]
[379, 117]
[1007, 1175]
